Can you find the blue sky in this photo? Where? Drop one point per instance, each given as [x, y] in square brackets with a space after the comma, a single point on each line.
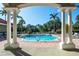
[40, 14]
[37, 14]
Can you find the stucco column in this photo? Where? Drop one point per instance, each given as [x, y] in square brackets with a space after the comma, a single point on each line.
[70, 44]
[15, 43]
[63, 30]
[7, 45]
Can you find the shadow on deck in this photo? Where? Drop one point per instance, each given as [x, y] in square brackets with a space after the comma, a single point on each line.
[73, 50]
[19, 52]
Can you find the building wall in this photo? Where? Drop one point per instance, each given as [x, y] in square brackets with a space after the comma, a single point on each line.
[3, 28]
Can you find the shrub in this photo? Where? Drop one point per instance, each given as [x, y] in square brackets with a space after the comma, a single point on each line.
[58, 31]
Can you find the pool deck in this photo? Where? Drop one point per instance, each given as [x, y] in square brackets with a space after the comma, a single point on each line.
[39, 49]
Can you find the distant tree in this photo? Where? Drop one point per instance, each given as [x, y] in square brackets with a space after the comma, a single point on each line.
[3, 13]
[29, 28]
[76, 25]
[40, 28]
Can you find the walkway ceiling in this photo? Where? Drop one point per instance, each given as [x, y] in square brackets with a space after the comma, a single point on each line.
[21, 5]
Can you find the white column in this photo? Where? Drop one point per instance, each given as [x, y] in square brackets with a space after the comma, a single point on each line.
[15, 43]
[14, 27]
[70, 26]
[70, 44]
[63, 30]
[7, 45]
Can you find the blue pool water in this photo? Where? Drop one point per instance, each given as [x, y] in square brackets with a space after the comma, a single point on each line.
[39, 37]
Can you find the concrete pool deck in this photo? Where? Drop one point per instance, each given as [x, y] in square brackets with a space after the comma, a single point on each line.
[39, 49]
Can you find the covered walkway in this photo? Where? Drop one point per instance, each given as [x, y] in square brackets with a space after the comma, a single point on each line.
[66, 43]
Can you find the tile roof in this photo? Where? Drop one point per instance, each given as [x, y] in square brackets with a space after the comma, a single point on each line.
[3, 21]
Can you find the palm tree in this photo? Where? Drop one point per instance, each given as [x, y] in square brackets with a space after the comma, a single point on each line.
[3, 13]
[20, 24]
[55, 20]
[47, 26]
[53, 15]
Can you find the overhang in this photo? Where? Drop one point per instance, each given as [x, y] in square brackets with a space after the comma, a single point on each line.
[22, 5]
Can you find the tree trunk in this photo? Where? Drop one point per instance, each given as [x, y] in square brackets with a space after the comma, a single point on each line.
[55, 28]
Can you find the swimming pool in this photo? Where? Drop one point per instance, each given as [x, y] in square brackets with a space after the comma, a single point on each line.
[40, 37]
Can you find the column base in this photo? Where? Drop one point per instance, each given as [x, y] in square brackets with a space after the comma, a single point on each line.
[69, 46]
[62, 45]
[15, 45]
[7, 46]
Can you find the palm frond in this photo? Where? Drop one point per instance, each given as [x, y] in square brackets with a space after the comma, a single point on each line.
[52, 16]
[56, 14]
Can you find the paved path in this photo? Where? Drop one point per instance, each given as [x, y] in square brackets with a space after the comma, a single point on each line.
[32, 48]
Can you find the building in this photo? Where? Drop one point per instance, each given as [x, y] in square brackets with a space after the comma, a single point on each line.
[3, 25]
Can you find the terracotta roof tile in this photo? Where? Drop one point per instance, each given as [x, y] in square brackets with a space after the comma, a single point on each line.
[3, 21]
